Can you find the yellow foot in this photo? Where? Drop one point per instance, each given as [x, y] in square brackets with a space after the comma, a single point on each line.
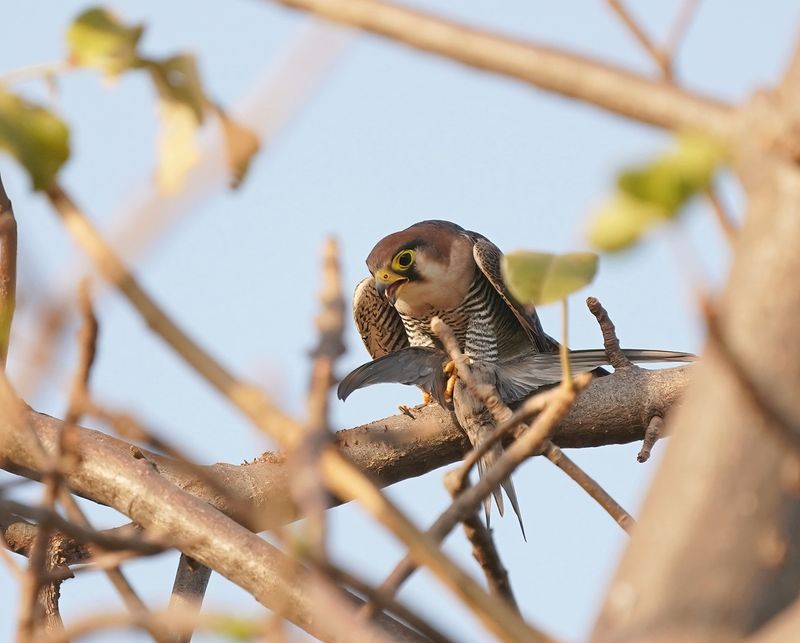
[427, 398]
[452, 378]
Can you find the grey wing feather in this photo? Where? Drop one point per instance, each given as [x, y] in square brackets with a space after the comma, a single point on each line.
[418, 365]
[519, 377]
[488, 257]
[378, 323]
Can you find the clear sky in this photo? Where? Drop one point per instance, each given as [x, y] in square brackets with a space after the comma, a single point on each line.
[391, 136]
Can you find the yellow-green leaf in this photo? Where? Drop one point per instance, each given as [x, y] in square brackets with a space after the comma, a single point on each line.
[33, 135]
[238, 629]
[622, 221]
[542, 278]
[177, 145]
[177, 80]
[671, 180]
[98, 39]
[241, 145]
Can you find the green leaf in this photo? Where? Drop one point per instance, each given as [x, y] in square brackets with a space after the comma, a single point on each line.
[542, 278]
[33, 135]
[98, 39]
[622, 221]
[671, 180]
[238, 629]
[177, 80]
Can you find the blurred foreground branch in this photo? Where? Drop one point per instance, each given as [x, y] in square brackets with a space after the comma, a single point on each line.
[613, 89]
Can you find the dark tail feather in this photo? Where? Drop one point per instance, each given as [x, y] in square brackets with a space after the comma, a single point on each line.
[508, 487]
[652, 355]
[597, 356]
[484, 464]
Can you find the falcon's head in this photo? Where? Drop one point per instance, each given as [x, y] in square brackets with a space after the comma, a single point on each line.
[428, 266]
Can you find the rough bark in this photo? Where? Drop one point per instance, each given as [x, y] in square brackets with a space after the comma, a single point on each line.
[122, 478]
[613, 410]
[716, 552]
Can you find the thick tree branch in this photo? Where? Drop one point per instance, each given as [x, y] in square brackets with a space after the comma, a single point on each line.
[123, 479]
[723, 511]
[618, 91]
[612, 410]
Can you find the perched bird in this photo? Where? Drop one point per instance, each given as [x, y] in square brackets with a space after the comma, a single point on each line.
[437, 268]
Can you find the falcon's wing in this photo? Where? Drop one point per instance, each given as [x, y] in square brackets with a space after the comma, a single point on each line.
[519, 377]
[378, 323]
[488, 257]
[420, 365]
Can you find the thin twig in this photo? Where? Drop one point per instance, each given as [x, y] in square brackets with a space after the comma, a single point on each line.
[307, 485]
[109, 539]
[188, 590]
[8, 271]
[721, 213]
[485, 553]
[661, 58]
[392, 606]
[651, 436]
[680, 28]
[42, 70]
[589, 485]
[614, 353]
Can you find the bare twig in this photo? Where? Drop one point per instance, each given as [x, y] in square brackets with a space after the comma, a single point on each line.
[109, 539]
[391, 605]
[307, 484]
[589, 485]
[724, 218]
[8, 271]
[680, 27]
[485, 552]
[661, 57]
[191, 582]
[42, 70]
[610, 340]
[651, 436]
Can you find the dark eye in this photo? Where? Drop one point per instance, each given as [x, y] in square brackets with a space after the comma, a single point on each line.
[403, 260]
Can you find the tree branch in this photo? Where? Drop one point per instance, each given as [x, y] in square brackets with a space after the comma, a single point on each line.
[615, 90]
[613, 410]
[728, 562]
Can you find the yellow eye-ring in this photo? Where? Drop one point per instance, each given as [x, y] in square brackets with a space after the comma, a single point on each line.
[402, 260]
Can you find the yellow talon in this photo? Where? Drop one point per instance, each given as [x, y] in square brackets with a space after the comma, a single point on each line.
[452, 373]
[426, 398]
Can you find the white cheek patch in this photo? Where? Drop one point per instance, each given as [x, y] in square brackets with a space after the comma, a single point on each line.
[439, 289]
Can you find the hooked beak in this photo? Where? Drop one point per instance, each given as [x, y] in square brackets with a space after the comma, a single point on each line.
[387, 283]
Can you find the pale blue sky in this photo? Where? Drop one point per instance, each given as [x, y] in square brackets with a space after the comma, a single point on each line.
[391, 137]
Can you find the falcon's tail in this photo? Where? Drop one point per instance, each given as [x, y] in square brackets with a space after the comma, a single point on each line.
[484, 464]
